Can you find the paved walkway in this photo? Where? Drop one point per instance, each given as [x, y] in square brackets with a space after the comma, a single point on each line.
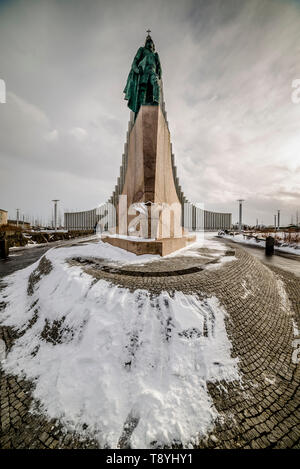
[261, 412]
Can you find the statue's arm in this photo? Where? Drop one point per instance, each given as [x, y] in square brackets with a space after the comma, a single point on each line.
[158, 66]
[138, 57]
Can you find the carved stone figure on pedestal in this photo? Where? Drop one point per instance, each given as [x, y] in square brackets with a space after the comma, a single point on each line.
[143, 85]
[148, 210]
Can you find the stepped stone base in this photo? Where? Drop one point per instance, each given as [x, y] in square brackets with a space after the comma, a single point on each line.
[162, 247]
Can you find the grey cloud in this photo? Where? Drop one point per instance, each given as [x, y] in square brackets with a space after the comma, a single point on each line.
[227, 70]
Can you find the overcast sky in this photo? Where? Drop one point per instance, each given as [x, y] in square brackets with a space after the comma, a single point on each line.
[228, 67]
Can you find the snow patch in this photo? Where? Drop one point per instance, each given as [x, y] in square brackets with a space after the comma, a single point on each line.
[246, 290]
[2, 350]
[284, 299]
[260, 243]
[102, 356]
[295, 328]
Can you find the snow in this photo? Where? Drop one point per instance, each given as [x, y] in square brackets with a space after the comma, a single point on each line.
[289, 250]
[2, 350]
[284, 299]
[295, 328]
[130, 238]
[48, 231]
[252, 241]
[203, 240]
[33, 244]
[206, 245]
[286, 305]
[121, 355]
[246, 290]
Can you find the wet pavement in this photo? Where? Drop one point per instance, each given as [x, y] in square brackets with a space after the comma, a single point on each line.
[286, 261]
[20, 258]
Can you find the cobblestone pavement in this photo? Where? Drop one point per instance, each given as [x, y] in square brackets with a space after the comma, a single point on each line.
[263, 411]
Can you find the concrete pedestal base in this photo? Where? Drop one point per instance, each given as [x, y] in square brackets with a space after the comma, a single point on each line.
[151, 208]
[162, 247]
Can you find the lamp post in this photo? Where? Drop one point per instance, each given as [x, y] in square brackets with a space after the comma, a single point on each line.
[240, 201]
[18, 215]
[55, 213]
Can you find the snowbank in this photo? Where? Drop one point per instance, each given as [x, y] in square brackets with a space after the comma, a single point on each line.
[107, 358]
[252, 241]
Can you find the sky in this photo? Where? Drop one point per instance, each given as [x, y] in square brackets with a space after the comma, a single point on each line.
[227, 68]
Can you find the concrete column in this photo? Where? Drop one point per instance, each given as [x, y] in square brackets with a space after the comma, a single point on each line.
[240, 201]
[55, 213]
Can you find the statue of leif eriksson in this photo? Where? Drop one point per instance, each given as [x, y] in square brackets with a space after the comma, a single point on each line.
[143, 85]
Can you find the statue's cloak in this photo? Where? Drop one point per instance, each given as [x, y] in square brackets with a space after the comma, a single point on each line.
[132, 86]
[131, 90]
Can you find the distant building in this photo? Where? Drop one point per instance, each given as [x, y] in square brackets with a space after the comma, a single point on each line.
[195, 219]
[81, 220]
[21, 224]
[3, 217]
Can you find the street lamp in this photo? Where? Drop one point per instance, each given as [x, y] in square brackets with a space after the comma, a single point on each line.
[55, 213]
[18, 215]
[240, 201]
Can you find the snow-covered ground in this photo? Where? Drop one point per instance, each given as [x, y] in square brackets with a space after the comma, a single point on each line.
[102, 356]
[252, 241]
[55, 243]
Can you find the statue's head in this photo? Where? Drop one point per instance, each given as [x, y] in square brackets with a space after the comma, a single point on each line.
[149, 44]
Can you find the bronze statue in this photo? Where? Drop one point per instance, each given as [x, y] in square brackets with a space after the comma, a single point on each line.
[142, 85]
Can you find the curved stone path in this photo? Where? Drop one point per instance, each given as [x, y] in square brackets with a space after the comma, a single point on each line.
[263, 411]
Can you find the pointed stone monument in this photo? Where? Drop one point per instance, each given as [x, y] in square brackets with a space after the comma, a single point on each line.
[148, 210]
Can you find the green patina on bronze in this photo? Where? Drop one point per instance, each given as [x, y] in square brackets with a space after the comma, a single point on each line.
[142, 85]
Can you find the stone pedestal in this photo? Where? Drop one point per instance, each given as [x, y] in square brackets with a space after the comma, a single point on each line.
[161, 247]
[149, 182]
